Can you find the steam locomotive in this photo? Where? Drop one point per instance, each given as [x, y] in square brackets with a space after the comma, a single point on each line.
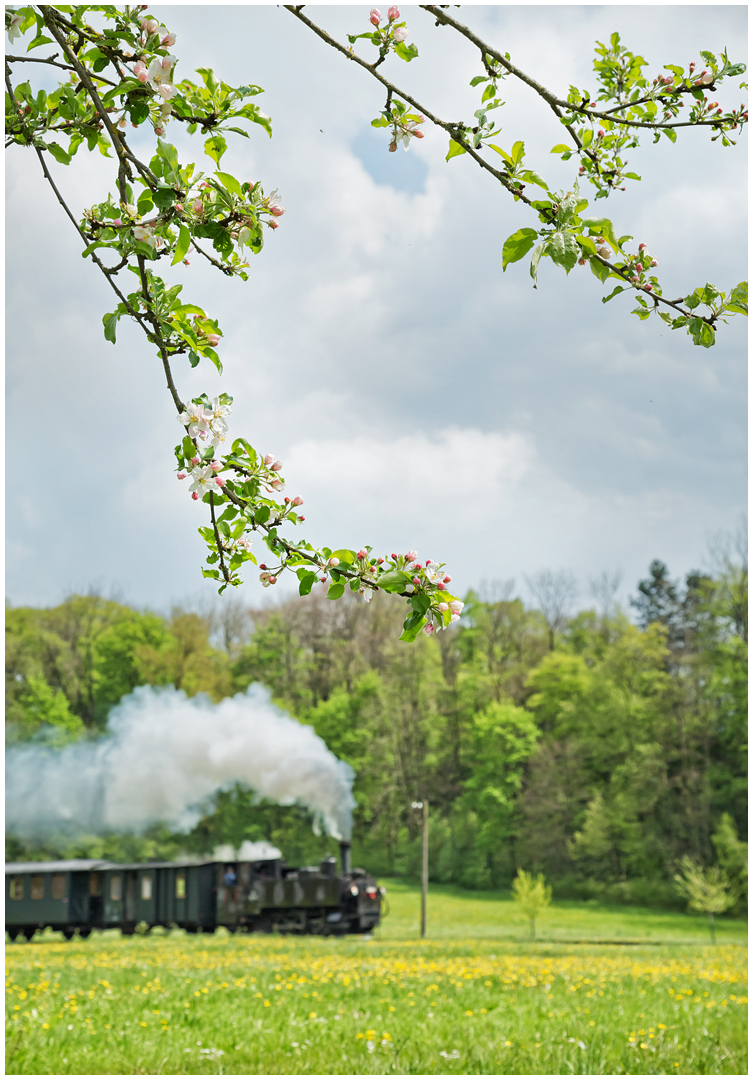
[267, 895]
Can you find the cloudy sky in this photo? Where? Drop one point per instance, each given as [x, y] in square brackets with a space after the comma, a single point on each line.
[416, 396]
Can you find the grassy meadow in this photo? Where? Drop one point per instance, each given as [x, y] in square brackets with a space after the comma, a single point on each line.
[475, 997]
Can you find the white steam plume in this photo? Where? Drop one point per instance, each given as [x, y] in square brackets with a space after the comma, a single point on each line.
[163, 754]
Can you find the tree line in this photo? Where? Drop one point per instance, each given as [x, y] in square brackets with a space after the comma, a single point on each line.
[595, 749]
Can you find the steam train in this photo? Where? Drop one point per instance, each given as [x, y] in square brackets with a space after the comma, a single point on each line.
[267, 895]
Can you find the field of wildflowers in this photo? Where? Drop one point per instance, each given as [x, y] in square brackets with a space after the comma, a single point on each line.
[176, 1004]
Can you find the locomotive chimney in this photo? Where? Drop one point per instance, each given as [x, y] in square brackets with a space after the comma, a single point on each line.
[345, 856]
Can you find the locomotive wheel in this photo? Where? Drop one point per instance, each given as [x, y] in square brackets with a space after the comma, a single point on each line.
[13, 934]
[84, 932]
[68, 934]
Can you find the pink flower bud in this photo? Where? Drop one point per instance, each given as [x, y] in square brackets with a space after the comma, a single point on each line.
[272, 580]
[298, 501]
[159, 131]
[375, 16]
[168, 40]
[441, 586]
[287, 499]
[400, 33]
[278, 211]
[216, 465]
[151, 26]
[263, 577]
[380, 560]
[393, 14]
[117, 222]
[195, 495]
[277, 485]
[181, 476]
[428, 629]
[635, 280]
[362, 554]
[442, 607]
[139, 70]
[393, 147]
[220, 481]
[581, 262]
[323, 580]
[301, 518]
[654, 262]
[411, 556]
[393, 555]
[416, 581]
[457, 606]
[268, 459]
[262, 566]
[447, 579]
[203, 185]
[273, 224]
[194, 461]
[277, 466]
[648, 288]
[418, 134]
[641, 247]
[197, 206]
[186, 262]
[213, 340]
[334, 562]
[601, 133]
[639, 267]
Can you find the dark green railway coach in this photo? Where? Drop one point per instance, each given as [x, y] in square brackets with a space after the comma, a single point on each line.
[80, 895]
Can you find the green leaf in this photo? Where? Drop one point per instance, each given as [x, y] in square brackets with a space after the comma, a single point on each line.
[455, 150]
[561, 148]
[599, 270]
[230, 183]
[394, 581]
[261, 514]
[503, 154]
[517, 246]
[518, 152]
[336, 589]
[701, 333]
[215, 147]
[530, 176]
[488, 93]
[59, 153]
[615, 290]
[478, 79]
[412, 626]
[605, 227]
[184, 241]
[420, 603]
[534, 268]
[563, 250]
[110, 321]
[307, 582]
[406, 52]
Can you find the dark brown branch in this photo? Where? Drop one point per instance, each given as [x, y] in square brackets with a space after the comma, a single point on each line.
[223, 568]
[51, 60]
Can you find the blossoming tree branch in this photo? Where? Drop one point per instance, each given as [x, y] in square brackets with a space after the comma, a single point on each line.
[602, 125]
[122, 72]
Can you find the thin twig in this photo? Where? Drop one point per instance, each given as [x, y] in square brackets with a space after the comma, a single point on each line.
[51, 60]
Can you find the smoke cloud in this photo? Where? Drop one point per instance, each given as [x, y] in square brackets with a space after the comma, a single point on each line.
[163, 754]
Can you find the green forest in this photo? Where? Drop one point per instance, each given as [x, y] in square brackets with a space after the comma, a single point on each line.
[598, 748]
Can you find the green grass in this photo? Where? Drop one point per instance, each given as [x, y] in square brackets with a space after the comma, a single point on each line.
[454, 912]
[475, 997]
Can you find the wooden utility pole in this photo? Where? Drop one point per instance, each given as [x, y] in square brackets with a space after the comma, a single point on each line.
[424, 866]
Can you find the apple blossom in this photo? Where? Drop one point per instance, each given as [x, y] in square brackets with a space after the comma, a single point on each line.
[14, 26]
[196, 419]
[197, 206]
[139, 70]
[150, 25]
[273, 224]
[277, 485]
[298, 501]
[375, 16]
[181, 475]
[443, 607]
[268, 459]
[366, 593]
[277, 466]
[213, 340]
[204, 480]
[116, 223]
[216, 465]
[169, 39]
[441, 586]
[400, 33]
[362, 554]
[195, 495]
[410, 556]
[334, 561]
[393, 14]
[380, 560]
[456, 606]
[428, 629]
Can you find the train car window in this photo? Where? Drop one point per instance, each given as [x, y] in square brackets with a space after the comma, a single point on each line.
[95, 884]
[37, 887]
[16, 888]
[116, 888]
[57, 888]
[146, 887]
[180, 885]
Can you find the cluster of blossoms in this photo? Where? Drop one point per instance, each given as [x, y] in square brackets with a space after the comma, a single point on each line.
[159, 76]
[639, 267]
[209, 426]
[13, 26]
[273, 205]
[392, 31]
[404, 129]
